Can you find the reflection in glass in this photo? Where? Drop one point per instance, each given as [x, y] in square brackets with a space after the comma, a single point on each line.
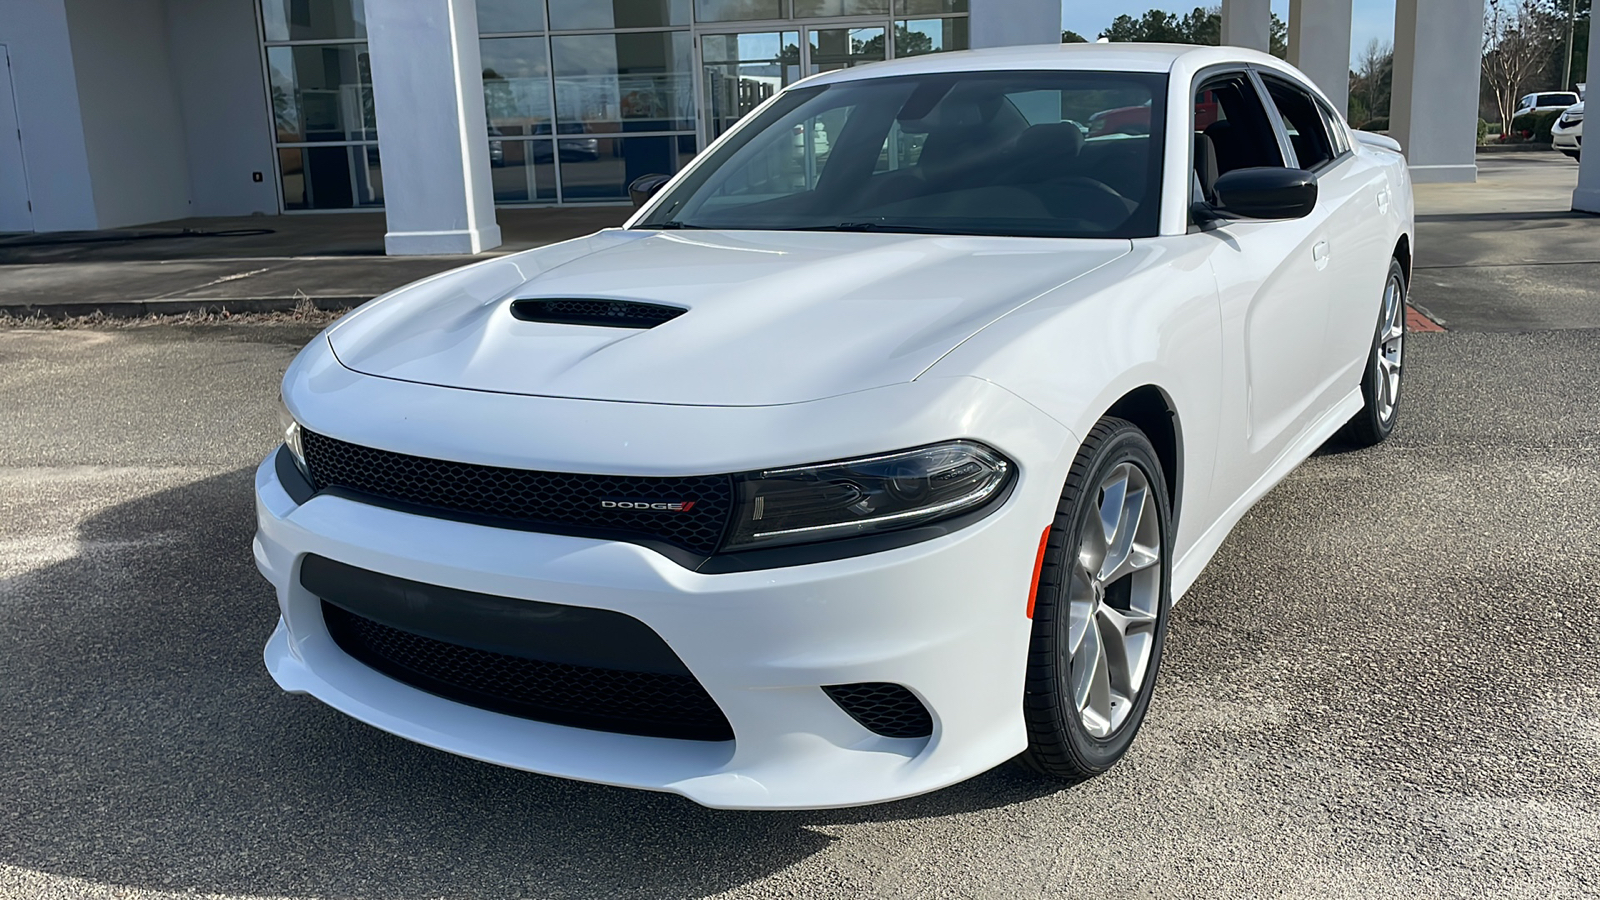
[510, 15]
[841, 48]
[313, 20]
[737, 10]
[742, 70]
[522, 171]
[578, 15]
[618, 161]
[920, 36]
[806, 8]
[331, 177]
[516, 84]
[322, 93]
[625, 82]
[928, 7]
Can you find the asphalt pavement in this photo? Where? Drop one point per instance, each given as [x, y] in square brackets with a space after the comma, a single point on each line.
[1383, 686]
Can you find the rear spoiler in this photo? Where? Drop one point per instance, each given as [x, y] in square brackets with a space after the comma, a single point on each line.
[1381, 141]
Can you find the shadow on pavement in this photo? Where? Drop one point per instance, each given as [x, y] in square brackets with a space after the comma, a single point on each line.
[145, 746]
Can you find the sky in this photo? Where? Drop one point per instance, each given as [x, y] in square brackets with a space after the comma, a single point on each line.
[1370, 19]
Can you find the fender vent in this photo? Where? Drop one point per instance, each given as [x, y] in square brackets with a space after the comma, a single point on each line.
[605, 313]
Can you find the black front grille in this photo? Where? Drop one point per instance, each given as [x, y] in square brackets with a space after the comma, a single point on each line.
[645, 703]
[555, 501]
[887, 709]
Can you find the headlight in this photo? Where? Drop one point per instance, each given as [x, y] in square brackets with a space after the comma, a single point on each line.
[291, 437]
[861, 496]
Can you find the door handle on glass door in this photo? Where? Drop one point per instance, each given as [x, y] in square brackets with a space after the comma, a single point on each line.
[1319, 254]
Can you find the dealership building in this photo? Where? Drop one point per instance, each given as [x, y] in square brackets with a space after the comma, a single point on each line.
[437, 112]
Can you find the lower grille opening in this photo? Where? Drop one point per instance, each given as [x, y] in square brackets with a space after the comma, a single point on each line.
[643, 703]
[886, 709]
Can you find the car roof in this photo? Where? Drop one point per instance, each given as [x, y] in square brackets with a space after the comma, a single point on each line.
[1113, 57]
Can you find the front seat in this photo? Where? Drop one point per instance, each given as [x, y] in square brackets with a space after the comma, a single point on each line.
[1206, 172]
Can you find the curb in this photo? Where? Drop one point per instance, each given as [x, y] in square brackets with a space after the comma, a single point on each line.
[136, 309]
[1529, 147]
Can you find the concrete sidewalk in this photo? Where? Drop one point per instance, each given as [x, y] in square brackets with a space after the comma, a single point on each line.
[247, 264]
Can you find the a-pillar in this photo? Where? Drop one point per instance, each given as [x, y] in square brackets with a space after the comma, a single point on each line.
[1438, 45]
[1247, 23]
[1319, 45]
[427, 87]
[1587, 197]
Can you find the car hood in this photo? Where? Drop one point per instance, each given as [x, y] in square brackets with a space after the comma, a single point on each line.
[772, 317]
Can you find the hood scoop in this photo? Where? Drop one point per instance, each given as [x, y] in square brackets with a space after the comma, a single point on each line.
[604, 313]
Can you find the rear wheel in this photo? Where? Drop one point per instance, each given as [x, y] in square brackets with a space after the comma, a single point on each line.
[1100, 613]
[1380, 386]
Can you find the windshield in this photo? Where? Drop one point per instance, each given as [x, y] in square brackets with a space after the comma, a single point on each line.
[1045, 154]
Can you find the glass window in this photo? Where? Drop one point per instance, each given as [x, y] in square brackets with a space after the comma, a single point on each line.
[580, 15]
[741, 71]
[603, 167]
[625, 82]
[807, 8]
[496, 16]
[322, 93]
[313, 20]
[516, 84]
[950, 153]
[737, 10]
[522, 171]
[919, 36]
[928, 7]
[330, 177]
[1307, 132]
[841, 48]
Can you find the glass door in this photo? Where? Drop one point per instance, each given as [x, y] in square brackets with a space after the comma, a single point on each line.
[841, 47]
[739, 71]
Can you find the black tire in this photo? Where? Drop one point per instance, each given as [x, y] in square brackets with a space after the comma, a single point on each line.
[1060, 745]
[1376, 420]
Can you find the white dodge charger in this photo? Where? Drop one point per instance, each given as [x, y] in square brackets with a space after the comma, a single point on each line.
[851, 466]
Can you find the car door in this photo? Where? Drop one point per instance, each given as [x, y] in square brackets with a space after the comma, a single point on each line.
[1352, 194]
[1273, 286]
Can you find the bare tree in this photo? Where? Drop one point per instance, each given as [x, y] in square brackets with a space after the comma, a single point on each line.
[1374, 77]
[1513, 51]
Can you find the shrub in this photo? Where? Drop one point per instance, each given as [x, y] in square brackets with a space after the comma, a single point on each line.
[1379, 124]
[1483, 132]
[1535, 126]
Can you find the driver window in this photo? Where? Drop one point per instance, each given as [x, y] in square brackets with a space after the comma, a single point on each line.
[789, 163]
[1232, 131]
[1308, 134]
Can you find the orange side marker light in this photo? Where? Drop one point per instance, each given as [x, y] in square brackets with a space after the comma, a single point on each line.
[1038, 566]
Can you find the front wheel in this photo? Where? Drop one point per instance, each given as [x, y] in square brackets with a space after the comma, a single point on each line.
[1100, 609]
[1380, 386]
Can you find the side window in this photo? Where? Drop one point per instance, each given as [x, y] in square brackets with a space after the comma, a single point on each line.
[1336, 130]
[786, 163]
[1307, 132]
[1232, 131]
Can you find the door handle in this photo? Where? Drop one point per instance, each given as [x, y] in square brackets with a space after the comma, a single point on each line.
[1319, 254]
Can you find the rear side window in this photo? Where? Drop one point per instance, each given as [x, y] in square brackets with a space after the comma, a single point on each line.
[1308, 133]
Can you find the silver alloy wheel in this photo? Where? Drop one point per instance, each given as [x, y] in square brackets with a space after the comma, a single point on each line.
[1114, 600]
[1391, 346]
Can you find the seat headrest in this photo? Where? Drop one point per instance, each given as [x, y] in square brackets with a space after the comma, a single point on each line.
[1056, 140]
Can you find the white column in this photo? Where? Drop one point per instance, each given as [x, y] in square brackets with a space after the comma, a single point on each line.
[1434, 110]
[1247, 23]
[1587, 197]
[1006, 23]
[1319, 45]
[427, 86]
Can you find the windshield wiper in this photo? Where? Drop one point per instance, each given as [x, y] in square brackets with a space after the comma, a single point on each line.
[873, 226]
[674, 225]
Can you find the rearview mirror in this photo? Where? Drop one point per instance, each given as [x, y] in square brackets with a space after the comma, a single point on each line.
[1267, 193]
[645, 186]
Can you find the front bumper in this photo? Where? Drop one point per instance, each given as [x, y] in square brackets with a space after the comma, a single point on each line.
[946, 618]
[1567, 138]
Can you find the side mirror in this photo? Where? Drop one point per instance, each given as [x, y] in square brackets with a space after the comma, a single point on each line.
[1266, 193]
[644, 187]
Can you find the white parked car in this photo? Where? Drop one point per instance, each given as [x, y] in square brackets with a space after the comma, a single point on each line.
[1567, 133]
[811, 492]
[1545, 101]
